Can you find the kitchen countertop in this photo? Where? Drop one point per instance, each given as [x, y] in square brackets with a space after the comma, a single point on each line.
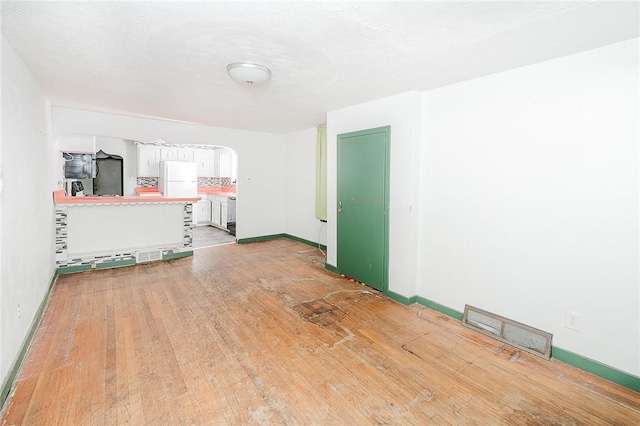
[212, 190]
[221, 194]
[60, 197]
[218, 191]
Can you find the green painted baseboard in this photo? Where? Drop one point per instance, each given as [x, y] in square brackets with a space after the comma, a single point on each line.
[400, 298]
[73, 269]
[594, 367]
[178, 255]
[331, 268]
[597, 368]
[439, 308]
[115, 264]
[307, 242]
[262, 238]
[276, 236]
[13, 371]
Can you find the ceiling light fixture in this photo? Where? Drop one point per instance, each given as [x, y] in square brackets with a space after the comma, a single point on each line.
[248, 73]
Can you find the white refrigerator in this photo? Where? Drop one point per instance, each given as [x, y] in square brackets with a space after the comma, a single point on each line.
[178, 179]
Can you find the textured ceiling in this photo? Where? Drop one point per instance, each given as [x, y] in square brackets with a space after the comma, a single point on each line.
[168, 59]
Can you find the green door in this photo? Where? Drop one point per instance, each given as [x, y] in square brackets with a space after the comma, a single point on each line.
[363, 199]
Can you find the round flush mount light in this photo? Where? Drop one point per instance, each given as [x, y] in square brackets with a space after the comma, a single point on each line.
[248, 73]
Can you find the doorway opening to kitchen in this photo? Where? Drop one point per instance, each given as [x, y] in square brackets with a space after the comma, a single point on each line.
[217, 178]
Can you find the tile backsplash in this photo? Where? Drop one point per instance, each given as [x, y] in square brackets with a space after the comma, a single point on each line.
[214, 181]
[152, 182]
[147, 182]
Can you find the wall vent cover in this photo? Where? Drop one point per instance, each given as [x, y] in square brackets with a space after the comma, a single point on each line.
[522, 336]
[148, 256]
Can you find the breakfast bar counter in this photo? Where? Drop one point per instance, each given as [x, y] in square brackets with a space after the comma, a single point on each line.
[96, 232]
[59, 198]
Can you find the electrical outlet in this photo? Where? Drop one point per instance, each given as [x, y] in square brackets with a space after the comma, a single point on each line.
[19, 312]
[572, 321]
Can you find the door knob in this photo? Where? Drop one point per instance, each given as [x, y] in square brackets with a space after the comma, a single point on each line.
[339, 206]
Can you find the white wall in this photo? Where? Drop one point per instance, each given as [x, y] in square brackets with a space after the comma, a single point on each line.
[402, 113]
[261, 158]
[530, 199]
[27, 213]
[300, 187]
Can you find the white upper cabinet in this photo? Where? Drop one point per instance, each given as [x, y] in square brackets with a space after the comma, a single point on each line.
[168, 154]
[211, 163]
[185, 154]
[203, 159]
[148, 157]
[224, 162]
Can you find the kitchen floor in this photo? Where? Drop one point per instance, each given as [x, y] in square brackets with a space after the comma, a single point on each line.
[208, 236]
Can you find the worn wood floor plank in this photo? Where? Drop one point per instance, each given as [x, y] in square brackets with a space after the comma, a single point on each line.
[262, 334]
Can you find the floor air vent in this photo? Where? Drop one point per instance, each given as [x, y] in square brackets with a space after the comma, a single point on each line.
[148, 256]
[527, 338]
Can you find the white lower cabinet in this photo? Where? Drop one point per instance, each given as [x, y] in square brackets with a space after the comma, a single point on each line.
[219, 211]
[216, 210]
[202, 212]
[223, 215]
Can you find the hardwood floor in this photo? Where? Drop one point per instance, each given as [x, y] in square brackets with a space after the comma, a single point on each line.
[262, 334]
